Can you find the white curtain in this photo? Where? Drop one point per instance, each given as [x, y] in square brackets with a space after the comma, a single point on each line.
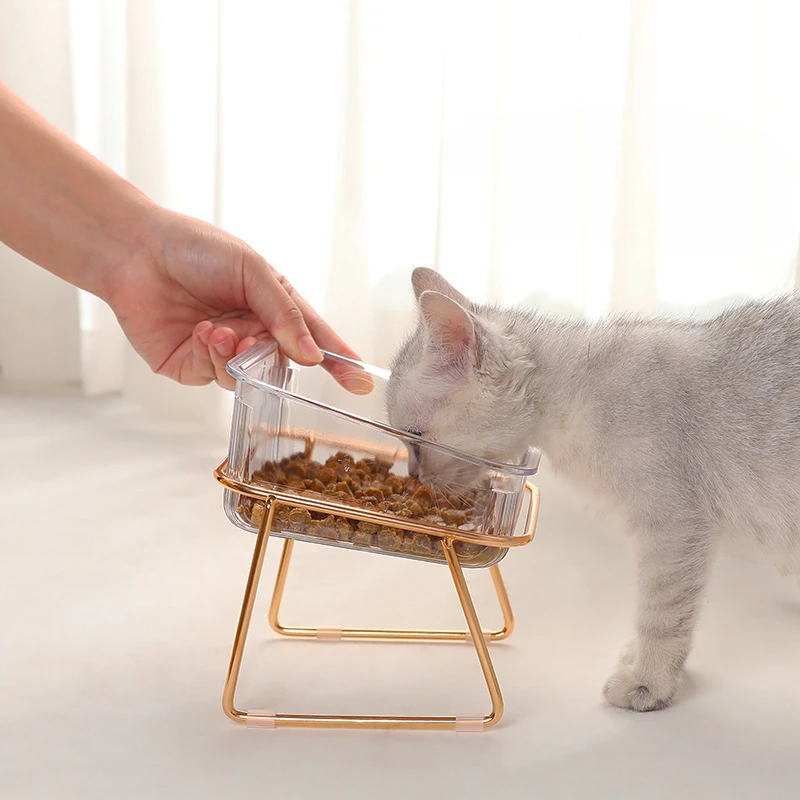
[574, 156]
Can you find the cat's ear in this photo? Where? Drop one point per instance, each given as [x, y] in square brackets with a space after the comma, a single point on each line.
[450, 333]
[426, 280]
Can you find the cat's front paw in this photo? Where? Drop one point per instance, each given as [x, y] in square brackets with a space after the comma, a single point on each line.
[626, 689]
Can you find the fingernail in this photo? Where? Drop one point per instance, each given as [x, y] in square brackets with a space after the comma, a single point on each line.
[358, 382]
[205, 334]
[308, 347]
[225, 348]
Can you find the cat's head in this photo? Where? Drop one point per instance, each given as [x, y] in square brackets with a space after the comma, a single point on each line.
[449, 383]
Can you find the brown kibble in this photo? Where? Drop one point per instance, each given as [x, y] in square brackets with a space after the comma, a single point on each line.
[440, 501]
[421, 543]
[257, 513]
[381, 467]
[407, 542]
[326, 528]
[341, 459]
[453, 517]
[365, 499]
[452, 501]
[366, 483]
[368, 527]
[300, 520]
[295, 470]
[424, 497]
[343, 528]
[388, 539]
[414, 509]
[395, 483]
[326, 475]
[363, 538]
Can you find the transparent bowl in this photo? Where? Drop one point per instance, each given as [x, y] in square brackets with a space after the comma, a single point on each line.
[336, 459]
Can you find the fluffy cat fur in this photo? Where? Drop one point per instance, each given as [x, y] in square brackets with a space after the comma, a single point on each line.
[691, 429]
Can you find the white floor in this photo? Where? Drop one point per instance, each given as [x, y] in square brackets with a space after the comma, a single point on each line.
[120, 583]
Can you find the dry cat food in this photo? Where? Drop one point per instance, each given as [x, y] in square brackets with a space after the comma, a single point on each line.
[367, 483]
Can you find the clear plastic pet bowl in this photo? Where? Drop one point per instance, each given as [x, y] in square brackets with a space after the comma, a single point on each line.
[339, 476]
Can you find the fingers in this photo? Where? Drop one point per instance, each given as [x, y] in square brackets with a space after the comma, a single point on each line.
[248, 341]
[200, 369]
[350, 377]
[212, 348]
[323, 334]
[269, 296]
[222, 345]
[297, 328]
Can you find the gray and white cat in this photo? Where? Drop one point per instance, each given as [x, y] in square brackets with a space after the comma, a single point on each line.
[692, 429]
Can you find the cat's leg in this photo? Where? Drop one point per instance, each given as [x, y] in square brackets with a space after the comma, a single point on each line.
[672, 573]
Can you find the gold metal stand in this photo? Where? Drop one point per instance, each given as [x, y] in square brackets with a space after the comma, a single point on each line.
[383, 633]
[273, 498]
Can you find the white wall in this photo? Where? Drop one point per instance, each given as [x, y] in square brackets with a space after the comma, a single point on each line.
[36, 308]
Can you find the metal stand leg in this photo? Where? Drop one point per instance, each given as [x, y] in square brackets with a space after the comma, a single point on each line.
[246, 614]
[382, 633]
[474, 633]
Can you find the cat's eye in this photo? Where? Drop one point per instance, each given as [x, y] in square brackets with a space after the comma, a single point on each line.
[415, 431]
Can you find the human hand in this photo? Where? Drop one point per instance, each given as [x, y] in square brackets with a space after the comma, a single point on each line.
[197, 296]
[188, 295]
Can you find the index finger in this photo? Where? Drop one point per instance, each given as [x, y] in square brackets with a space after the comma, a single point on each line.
[270, 298]
[349, 376]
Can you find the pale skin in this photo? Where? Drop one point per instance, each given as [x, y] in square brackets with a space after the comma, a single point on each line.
[188, 295]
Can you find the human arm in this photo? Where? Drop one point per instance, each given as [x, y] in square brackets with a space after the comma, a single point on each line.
[187, 294]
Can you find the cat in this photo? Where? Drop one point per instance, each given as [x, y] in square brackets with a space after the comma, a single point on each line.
[690, 428]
